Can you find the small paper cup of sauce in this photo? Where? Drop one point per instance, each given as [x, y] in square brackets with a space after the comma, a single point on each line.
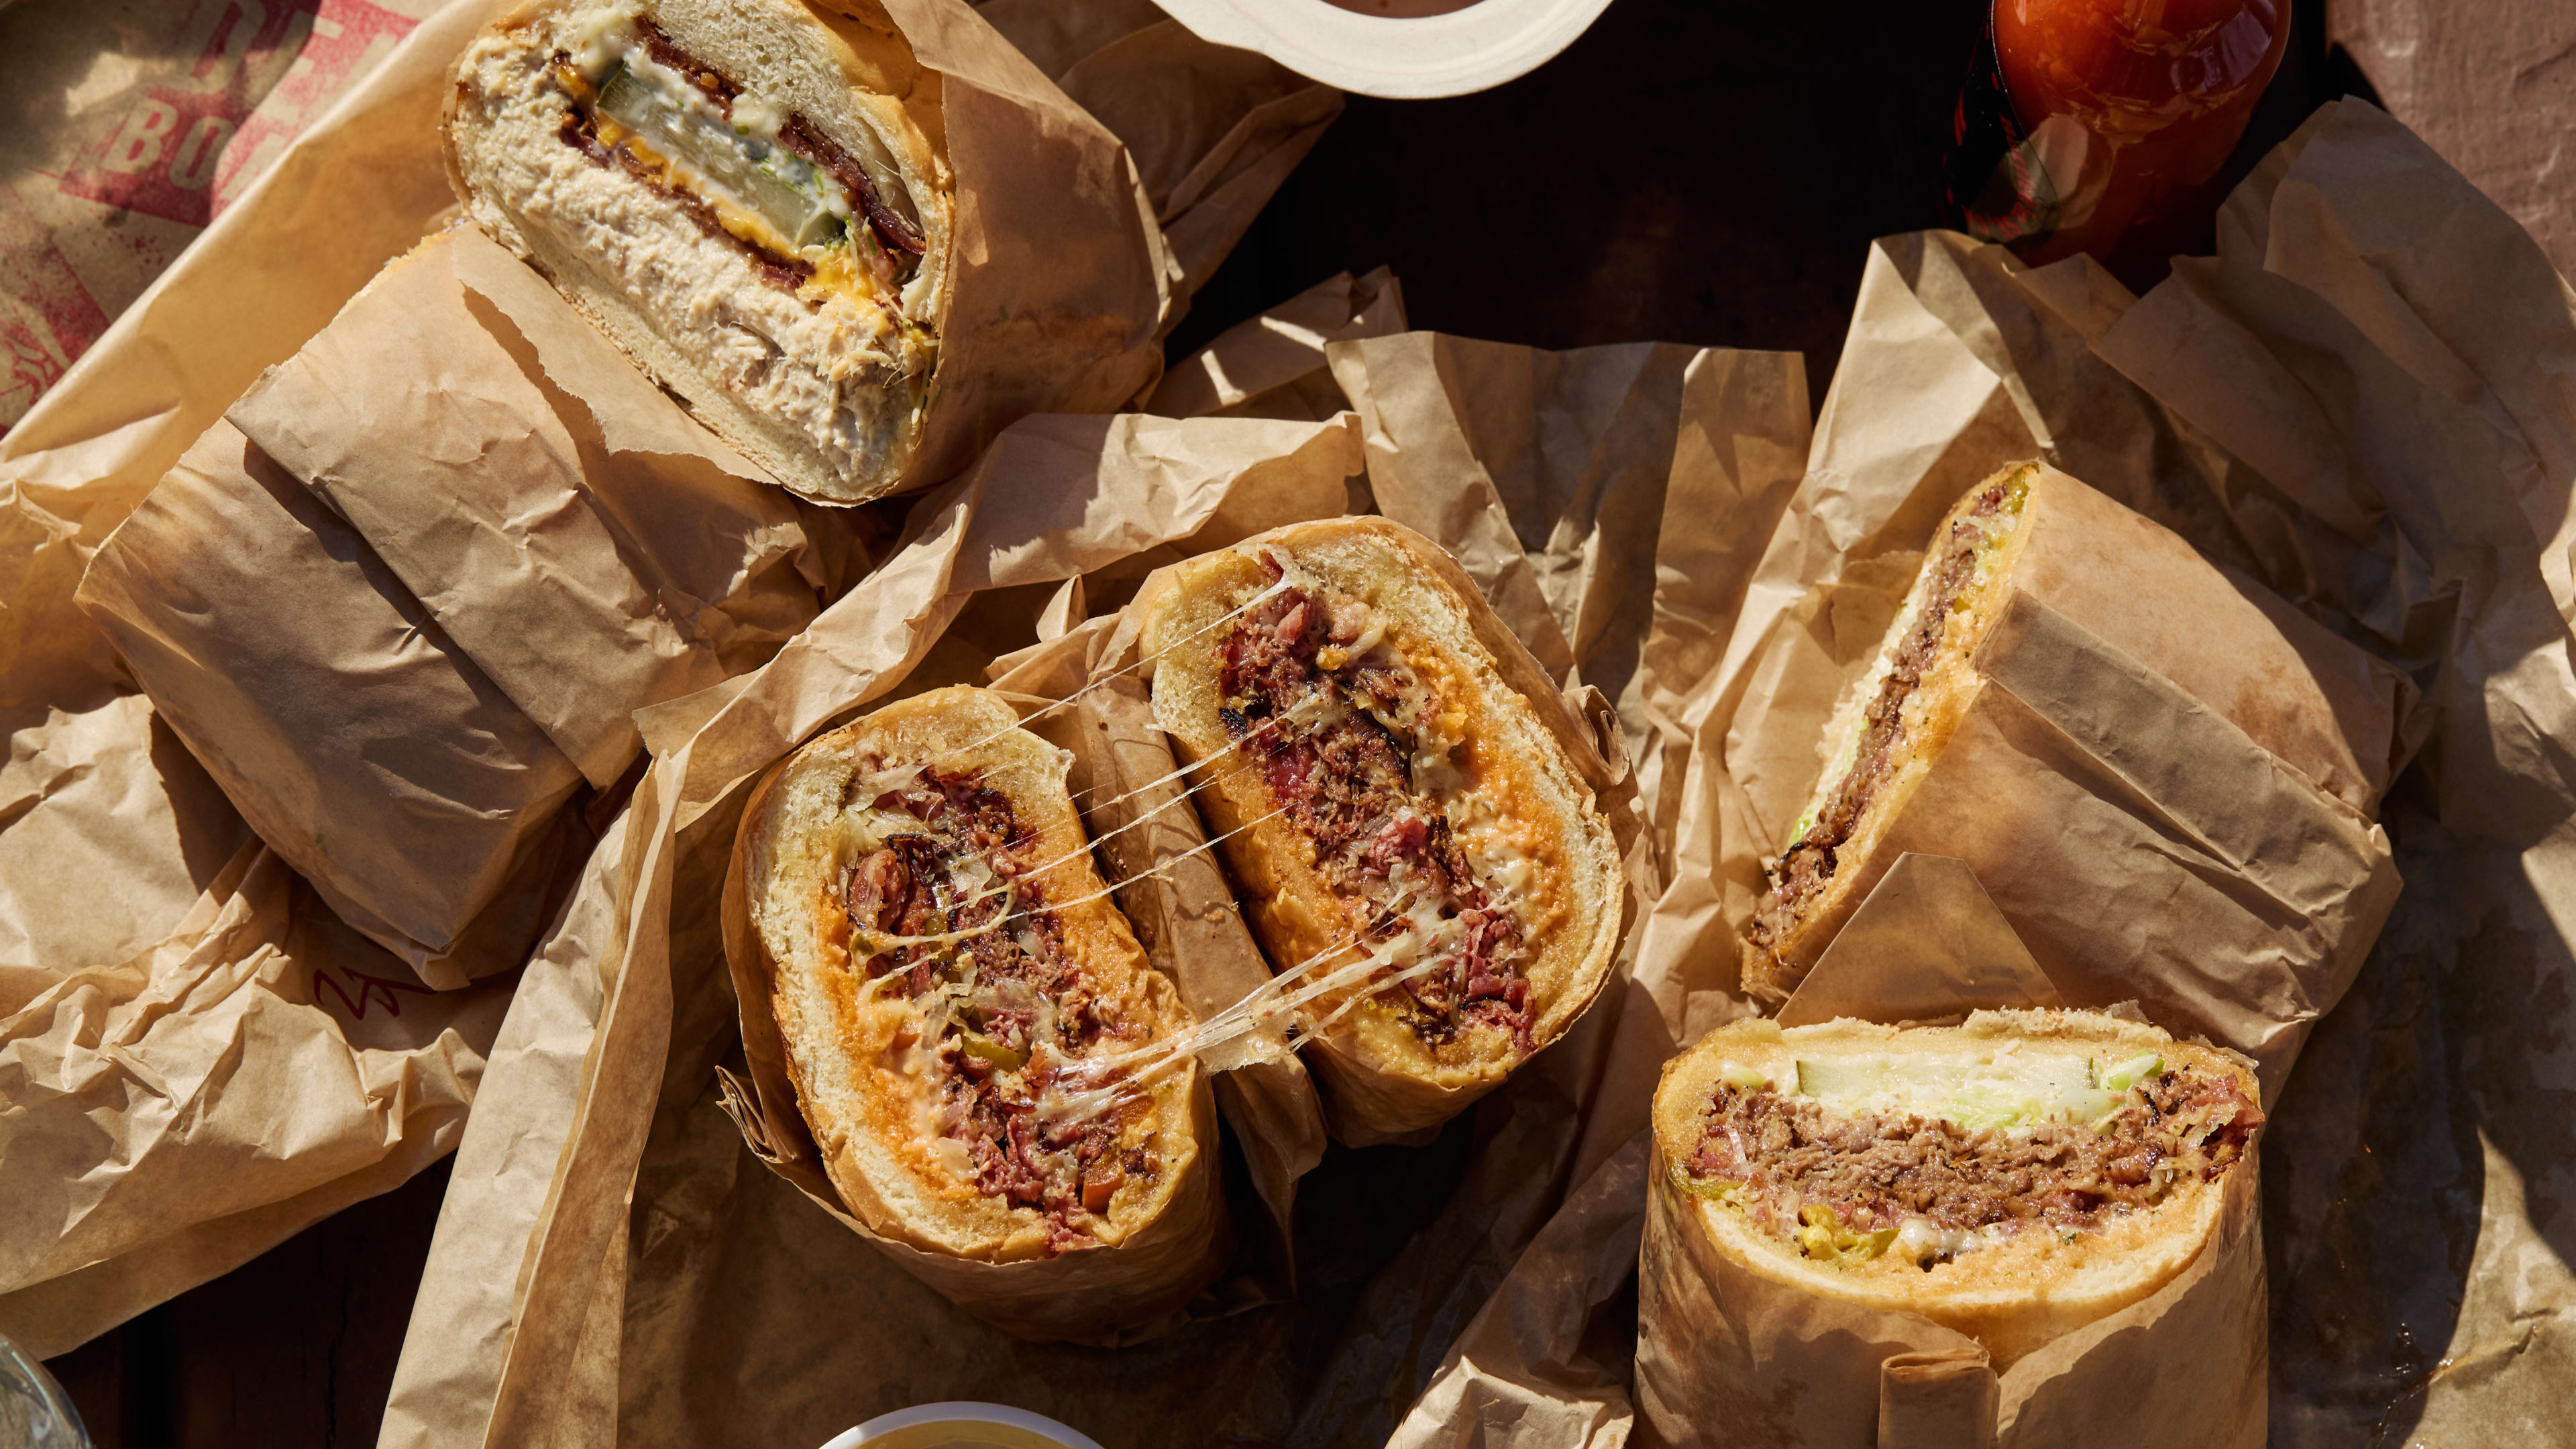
[962, 1426]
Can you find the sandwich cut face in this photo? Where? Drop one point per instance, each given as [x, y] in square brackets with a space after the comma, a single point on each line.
[702, 179]
[2055, 1159]
[1892, 720]
[945, 964]
[1395, 815]
[1358, 748]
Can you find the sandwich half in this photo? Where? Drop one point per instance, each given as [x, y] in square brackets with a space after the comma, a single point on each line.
[2319, 706]
[2012, 1178]
[1389, 776]
[954, 992]
[749, 197]
[1885, 733]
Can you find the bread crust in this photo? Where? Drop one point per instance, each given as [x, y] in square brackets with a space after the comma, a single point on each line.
[882, 88]
[2013, 1297]
[1381, 1082]
[1161, 1240]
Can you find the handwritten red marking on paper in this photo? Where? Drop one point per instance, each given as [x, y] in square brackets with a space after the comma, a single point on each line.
[47, 317]
[189, 134]
[370, 989]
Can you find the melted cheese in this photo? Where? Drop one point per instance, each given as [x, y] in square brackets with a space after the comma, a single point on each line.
[863, 830]
[1921, 1240]
[911, 1070]
[1505, 852]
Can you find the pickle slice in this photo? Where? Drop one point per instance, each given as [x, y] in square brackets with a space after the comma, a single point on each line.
[2007, 1092]
[785, 190]
[976, 1044]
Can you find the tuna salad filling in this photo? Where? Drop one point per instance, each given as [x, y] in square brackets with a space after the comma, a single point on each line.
[773, 256]
[1354, 748]
[944, 915]
[1852, 1186]
[1949, 579]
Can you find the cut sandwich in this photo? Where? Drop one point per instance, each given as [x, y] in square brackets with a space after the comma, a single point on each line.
[2318, 705]
[1391, 780]
[1890, 725]
[2012, 1178]
[954, 993]
[748, 196]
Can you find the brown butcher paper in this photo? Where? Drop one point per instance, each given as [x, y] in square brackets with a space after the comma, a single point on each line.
[100, 787]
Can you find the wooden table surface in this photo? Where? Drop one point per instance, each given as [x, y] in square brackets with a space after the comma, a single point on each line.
[1689, 171]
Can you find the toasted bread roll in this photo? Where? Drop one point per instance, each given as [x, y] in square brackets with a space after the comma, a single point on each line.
[951, 985]
[1391, 777]
[748, 196]
[2012, 1178]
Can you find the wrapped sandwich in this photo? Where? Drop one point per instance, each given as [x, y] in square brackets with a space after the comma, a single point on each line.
[2058, 661]
[970, 1027]
[749, 196]
[341, 718]
[1831, 1197]
[1391, 780]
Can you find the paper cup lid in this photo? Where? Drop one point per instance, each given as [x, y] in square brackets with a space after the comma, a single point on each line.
[1406, 56]
[962, 1426]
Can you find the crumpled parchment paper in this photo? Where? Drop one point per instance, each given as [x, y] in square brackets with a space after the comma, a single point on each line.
[100, 789]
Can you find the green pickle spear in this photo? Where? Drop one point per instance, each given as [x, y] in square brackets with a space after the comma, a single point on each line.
[785, 189]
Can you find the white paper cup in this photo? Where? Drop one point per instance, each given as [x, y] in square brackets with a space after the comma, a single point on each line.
[1479, 44]
[962, 1426]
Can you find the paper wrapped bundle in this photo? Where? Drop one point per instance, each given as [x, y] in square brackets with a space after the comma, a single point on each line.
[2038, 1221]
[2111, 732]
[403, 601]
[232, 544]
[857, 238]
[1417, 823]
[918, 931]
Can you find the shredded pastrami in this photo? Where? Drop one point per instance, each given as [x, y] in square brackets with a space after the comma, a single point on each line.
[891, 226]
[1344, 774]
[1005, 1005]
[711, 82]
[1791, 1155]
